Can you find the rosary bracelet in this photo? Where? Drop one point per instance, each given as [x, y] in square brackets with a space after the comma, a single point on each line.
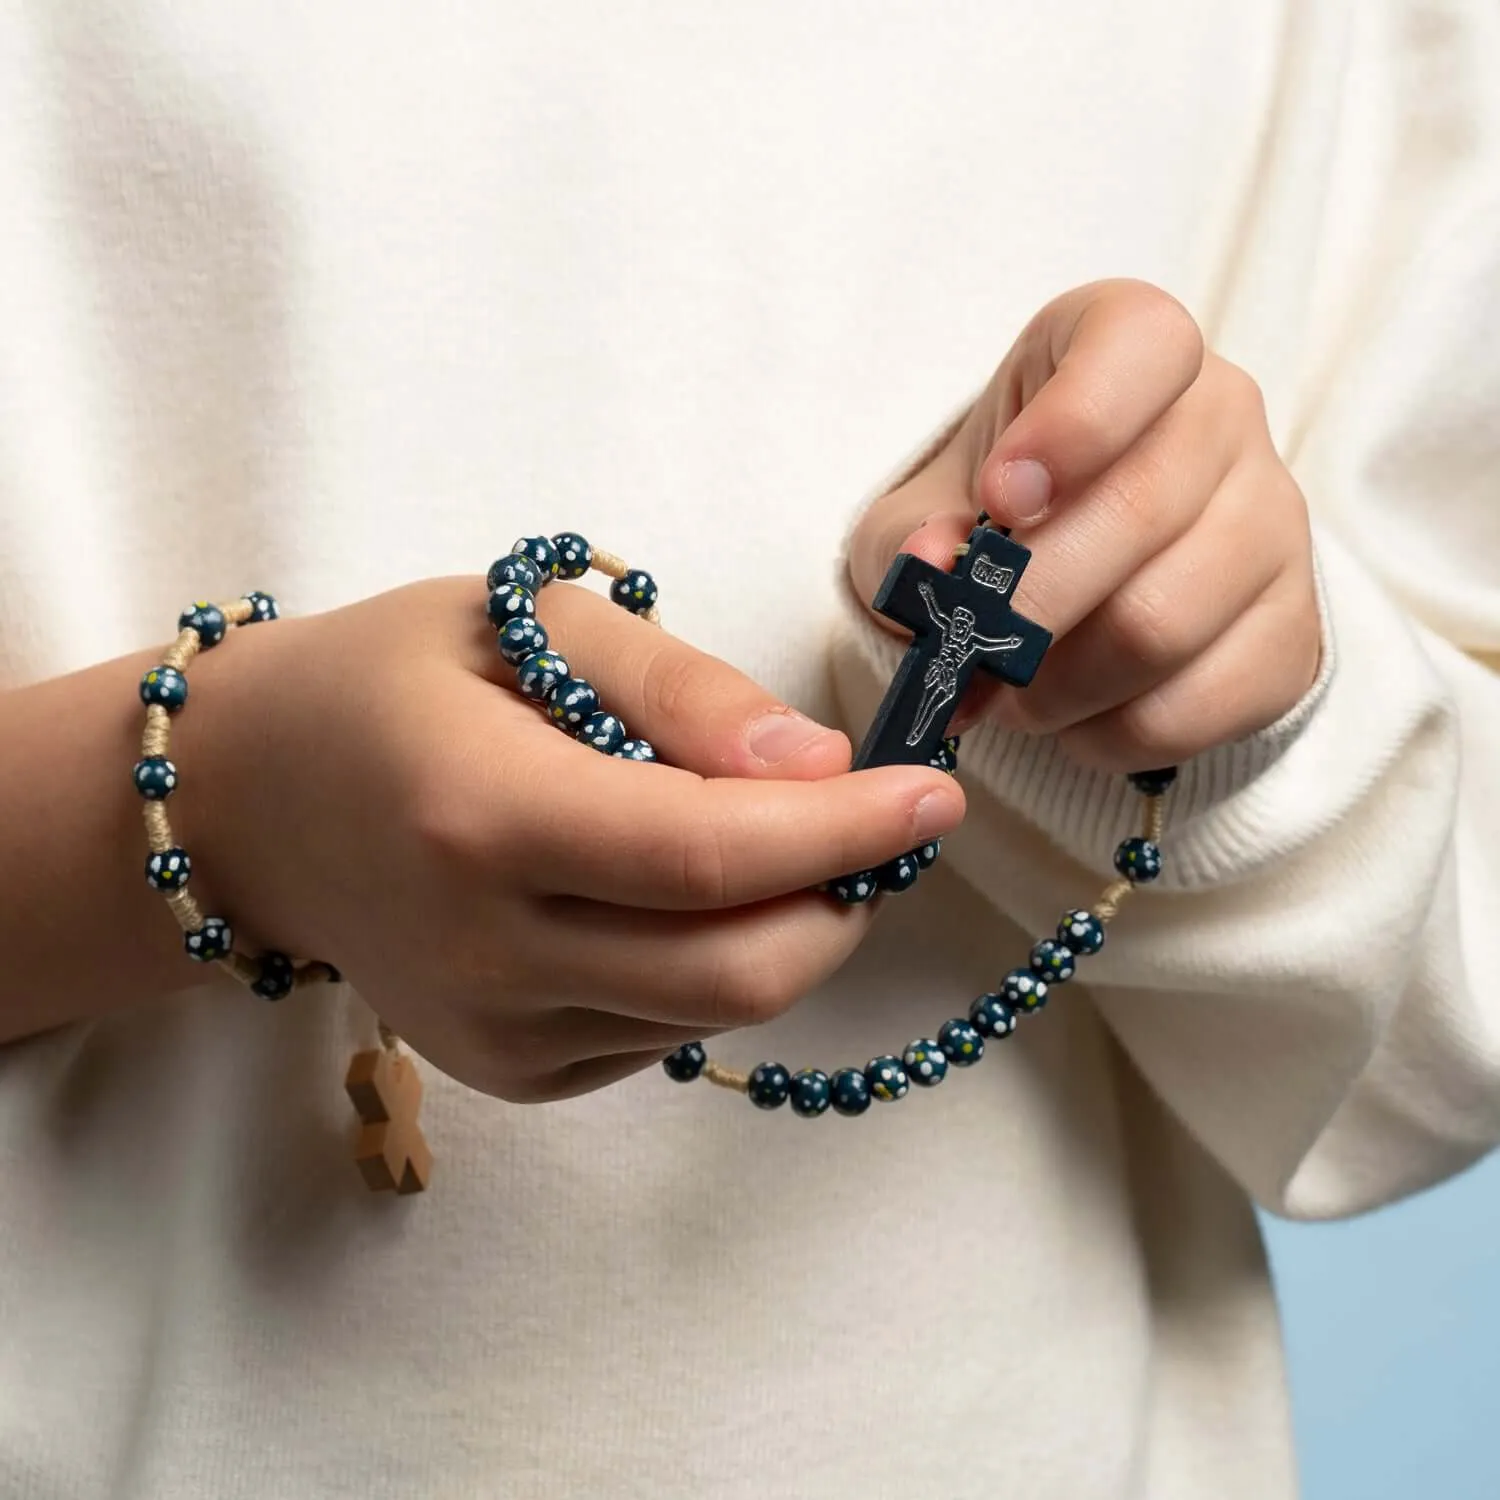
[382, 1083]
[164, 690]
[960, 621]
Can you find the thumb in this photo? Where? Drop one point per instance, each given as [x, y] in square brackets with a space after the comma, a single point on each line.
[698, 712]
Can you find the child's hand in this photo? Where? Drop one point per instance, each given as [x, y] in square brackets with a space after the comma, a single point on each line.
[536, 918]
[1173, 559]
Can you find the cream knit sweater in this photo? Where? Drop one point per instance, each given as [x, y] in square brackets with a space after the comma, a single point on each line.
[320, 298]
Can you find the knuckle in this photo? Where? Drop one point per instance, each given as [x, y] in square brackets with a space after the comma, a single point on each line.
[747, 990]
[468, 812]
[1154, 730]
[674, 680]
[1298, 520]
[1033, 712]
[1086, 421]
[502, 1058]
[1174, 328]
[1089, 417]
[1139, 733]
[589, 1074]
[1149, 627]
[521, 1089]
[700, 862]
[1142, 728]
[1241, 392]
[447, 834]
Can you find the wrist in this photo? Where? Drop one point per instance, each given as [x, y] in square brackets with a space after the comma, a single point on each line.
[232, 809]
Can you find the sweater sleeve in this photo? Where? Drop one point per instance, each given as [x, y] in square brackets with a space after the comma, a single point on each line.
[1314, 985]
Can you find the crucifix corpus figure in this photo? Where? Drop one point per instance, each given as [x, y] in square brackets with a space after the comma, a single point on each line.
[959, 621]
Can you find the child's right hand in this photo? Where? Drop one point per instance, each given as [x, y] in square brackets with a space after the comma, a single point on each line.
[537, 919]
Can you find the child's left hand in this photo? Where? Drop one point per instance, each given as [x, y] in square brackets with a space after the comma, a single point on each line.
[1173, 560]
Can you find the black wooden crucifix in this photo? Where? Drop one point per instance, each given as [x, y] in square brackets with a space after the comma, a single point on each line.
[959, 621]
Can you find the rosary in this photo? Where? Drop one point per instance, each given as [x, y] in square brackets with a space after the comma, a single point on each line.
[962, 621]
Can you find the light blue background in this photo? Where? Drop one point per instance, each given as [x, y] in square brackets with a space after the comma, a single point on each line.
[1393, 1341]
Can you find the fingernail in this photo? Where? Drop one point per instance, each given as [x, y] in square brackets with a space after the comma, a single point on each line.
[939, 812]
[780, 734]
[1025, 489]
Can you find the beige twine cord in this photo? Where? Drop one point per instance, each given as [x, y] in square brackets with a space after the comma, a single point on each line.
[725, 1078]
[616, 567]
[1154, 817]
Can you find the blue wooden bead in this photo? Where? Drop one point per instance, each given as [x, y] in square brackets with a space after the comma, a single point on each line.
[155, 778]
[541, 551]
[636, 591]
[212, 941]
[1082, 931]
[926, 856]
[169, 870]
[1053, 961]
[810, 1093]
[924, 1063]
[164, 686]
[276, 978]
[539, 673]
[770, 1084]
[207, 619]
[993, 1016]
[602, 731]
[686, 1063]
[961, 1042]
[854, 889]
[899, 874]
[514, 568]
[520, 637]
[944, 759]
[262, 608]
[574, 555]
[510, 602]
[887, 1078]
[1024, 990]
[850, 1090]
[571, 702]
[1138, 860]
[1153, 783]
[635, 750]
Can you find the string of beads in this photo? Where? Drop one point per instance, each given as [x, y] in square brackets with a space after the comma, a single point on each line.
[572, 703]
[164, 691]
[960, 1041]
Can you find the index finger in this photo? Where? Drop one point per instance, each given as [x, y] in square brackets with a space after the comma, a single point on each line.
[653, 836]
[697, 711]
[1095, 370]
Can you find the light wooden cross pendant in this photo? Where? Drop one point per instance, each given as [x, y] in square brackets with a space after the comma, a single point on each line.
[386, 1090]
